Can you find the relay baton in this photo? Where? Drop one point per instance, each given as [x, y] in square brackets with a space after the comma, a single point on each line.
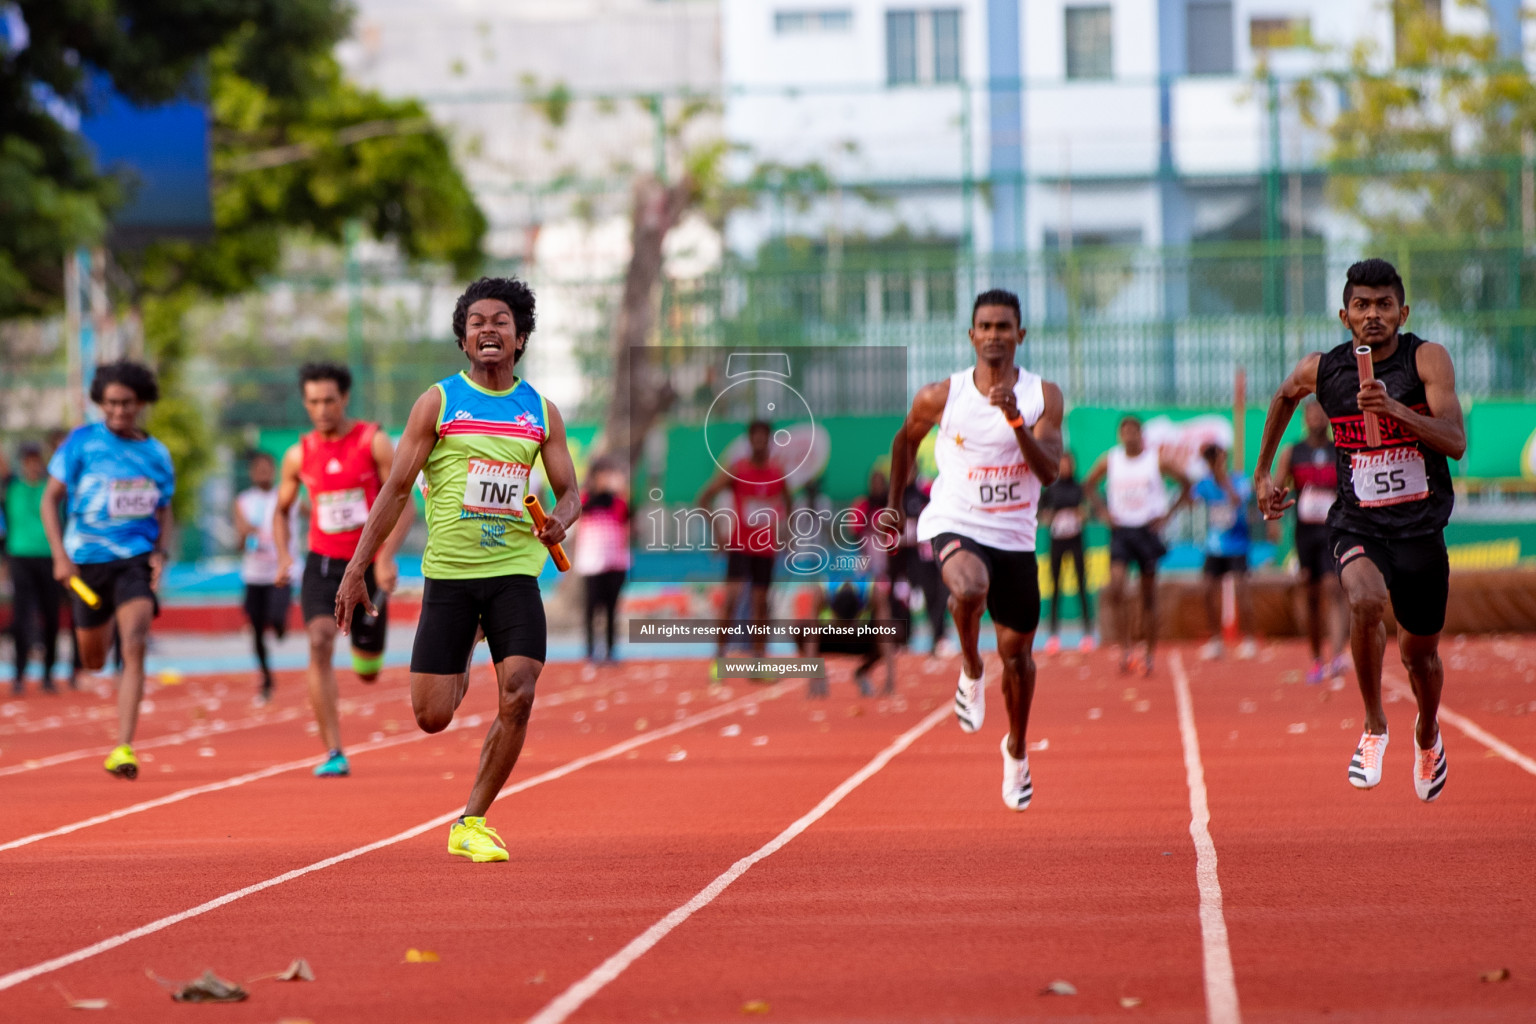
[556, 552]
[84, 592]
[1363, 364]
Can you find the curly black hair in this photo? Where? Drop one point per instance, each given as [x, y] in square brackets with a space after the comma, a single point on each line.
[326, 371]
[137, 377]
[517, 296]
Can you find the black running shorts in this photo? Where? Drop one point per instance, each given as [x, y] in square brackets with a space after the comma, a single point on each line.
[1013, 580]
[1138, 545]
[1313, 551]
[116, 583]
[317, 599]
[508, 608]
[1417, 572]
[744, 567]
[1221, 565]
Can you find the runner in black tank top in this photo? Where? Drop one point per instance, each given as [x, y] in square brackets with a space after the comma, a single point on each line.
[1394, 499]
[1310, 468]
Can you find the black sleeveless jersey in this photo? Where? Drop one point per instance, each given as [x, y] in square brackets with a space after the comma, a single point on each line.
[1401, 489]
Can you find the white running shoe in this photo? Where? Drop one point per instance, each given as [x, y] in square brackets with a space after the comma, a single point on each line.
[1212, 650]
[1429, 767]
[1365, 766]
[1018, 787]
[971, 701]
[1248, 649]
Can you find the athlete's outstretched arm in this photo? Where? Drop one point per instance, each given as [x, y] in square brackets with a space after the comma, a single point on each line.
[927, 409]
[1443, 429]
[287, 494]
[1302, 382]
[415, 445]
[385, 571]
[560, 471]
[1095, 501]
[1041, 445]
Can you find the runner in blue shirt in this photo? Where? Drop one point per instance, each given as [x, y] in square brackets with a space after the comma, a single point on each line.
[1227, 500]
[117, 484]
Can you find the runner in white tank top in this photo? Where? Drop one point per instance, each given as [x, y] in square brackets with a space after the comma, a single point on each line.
[999, 439]
[1136, 505]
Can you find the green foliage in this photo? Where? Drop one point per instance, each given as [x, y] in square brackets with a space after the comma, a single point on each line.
[1432, 147]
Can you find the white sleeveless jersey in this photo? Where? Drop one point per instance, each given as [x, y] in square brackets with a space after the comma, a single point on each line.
[1135, 487]
[985, 490]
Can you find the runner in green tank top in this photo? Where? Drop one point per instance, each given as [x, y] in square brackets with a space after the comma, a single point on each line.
[476, 435]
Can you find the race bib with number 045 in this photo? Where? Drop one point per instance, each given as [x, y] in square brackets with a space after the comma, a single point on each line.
[341, 511]
[494, 488]
[1390, 477]
[132, 498]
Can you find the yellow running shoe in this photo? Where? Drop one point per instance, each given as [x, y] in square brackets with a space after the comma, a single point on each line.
[473, 838]
[122, 763]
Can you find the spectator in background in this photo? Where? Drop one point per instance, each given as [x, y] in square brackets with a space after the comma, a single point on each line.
[266, 600]
[1227, 501]
[35, 604]
[602, 551]
[1064, 505]
[913, 567]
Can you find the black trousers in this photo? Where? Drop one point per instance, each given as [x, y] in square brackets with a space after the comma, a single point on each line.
[603, 592]
[1061, 547]
[34, 613]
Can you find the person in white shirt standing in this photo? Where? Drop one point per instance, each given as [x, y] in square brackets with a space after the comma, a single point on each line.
[266, 600]
[999, 440]
[1137, 507]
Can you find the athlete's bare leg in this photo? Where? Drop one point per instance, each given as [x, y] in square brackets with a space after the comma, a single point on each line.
[966, 577]
[515, 679]
[732, 597]
[1212, 595]
[1017, 653]
[1113, 602]
[1148, 584]
[1426, 674]
[322, 679]
[1366, 592]
[1315, 610]
[132, 623]
[758, 602]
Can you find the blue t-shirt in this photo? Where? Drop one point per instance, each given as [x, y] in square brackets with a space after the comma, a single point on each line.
[115, 488]
[1226, 532]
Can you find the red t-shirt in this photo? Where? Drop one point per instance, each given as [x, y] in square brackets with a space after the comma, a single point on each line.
[760, 494]
[343, 480]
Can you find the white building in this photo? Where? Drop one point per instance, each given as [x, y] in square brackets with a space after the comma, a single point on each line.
[1136, 121]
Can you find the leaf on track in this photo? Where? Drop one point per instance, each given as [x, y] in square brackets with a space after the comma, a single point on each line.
[421, 956]
[299, 970]
[1502, 974]
[1130, 1002]
[1059, 988]
[210, 988]
[81, 1004]
[755, 1006]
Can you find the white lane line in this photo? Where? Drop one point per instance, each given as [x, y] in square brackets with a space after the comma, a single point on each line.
[553, 700]
[1220, 983]
[16, 977]
[569, 1001]
[1470, 728]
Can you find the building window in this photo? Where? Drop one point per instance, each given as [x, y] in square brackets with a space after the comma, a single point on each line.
[1089, 49]
[1209, 37]
[788, 23]
[1279, 33]
[922, 46]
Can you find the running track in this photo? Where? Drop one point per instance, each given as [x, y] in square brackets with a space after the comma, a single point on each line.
[686, 855]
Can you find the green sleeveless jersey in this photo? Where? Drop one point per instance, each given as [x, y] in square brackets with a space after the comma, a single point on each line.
[476, 478]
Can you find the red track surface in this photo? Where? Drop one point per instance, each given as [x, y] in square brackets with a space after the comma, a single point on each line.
[918, 897]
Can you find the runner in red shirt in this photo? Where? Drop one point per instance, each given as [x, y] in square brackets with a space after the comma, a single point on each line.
[760, 499]
[341, 463]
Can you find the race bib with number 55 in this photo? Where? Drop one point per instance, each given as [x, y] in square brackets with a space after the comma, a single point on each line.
[1390, 477]
[132, 498]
